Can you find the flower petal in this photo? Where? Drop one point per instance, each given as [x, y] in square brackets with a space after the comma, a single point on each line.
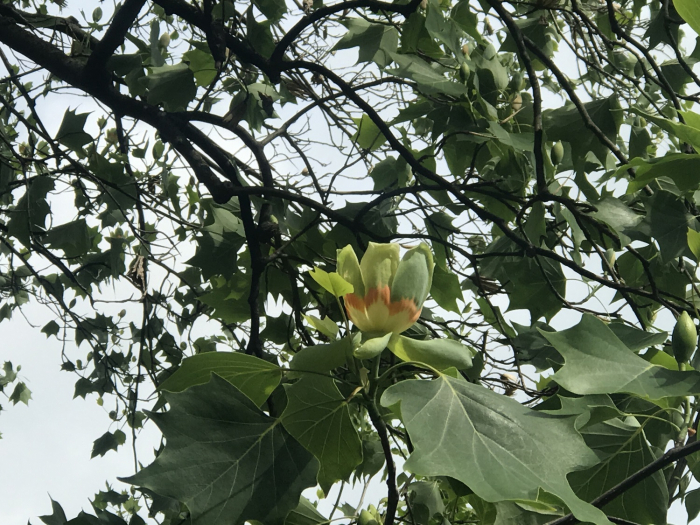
[379, 265]
[376, 314]
[414, 276]
[349, 269]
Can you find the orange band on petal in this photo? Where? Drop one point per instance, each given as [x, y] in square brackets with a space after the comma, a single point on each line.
[367, 314]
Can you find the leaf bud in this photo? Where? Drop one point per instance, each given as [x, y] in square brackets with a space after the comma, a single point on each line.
[684, 338]
[164, 40]
[517, 102]
[366, 518]
[464, 72]
[557, 153]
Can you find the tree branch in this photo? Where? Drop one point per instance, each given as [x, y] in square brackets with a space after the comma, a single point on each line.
[669, 457]
[114, 37]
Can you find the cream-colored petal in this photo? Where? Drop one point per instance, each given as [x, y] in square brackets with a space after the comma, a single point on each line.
[349, 269]
[414, 276]
[379, 265]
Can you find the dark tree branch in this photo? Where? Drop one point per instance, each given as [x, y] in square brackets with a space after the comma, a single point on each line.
[536, 92]
[114, 37]
[669, 457]
[278, 54]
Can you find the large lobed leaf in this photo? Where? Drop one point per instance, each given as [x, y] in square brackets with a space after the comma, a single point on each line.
[317, 415]
[500, 449]
[597, 362]
[225, 459]
[252, 376]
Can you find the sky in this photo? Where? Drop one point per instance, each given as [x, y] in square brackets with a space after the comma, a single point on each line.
[45, 447]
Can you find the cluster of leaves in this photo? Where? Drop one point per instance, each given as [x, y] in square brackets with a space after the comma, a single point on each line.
[224, 148]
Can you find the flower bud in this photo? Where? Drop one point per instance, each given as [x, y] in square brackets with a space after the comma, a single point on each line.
[684, 338]
[557, 153]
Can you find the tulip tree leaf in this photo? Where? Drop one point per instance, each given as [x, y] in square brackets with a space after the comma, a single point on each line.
[320, 359]
[331, 282]
[305, 514]
[446, 289]
[376, 42]
[597, 362]
[252, 376]
[368, 135]
[669, 221]
[567, 124]
[326, 326]
[690, 11]
[680, 167]
[57, 516]
[21, 394]
[529, 284]
[108, 441]
[505, 451]
[694, 243]
[71, 133]
[636, 339]
[173, 86]
[437, 353]
[624, 451]
[225, 459]
[317, 416]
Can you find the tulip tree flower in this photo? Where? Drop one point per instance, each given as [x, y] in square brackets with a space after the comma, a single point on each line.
[388, 293]
[383, 296]
[387, 298]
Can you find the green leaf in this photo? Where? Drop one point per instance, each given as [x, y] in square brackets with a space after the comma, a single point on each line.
[73, 238]
[683, 132]
[499, 453]
[21, 393]
[368, 135]
[57, 517]
[331, 282]
[426, 501]
[225, 459]
[376, 42]
[430, 79]
[692, 504]
[318, 417]
[679, 167]
[202, 65]
[566, 124]
[321, 359]
[446, 289]
[623, 450]
[71, 133]
[273, 10]
[108, 441]
[326, 326]
[669, 221]
[156, 56]
[597, 362]
[305, 514]
[371, 348]
[636, 339]
[529, 285]
[694, 243]
[172, 86]
[437, 353]
[252, 376]
[51, 328]
[259, 35]
[443, 30]
[618, 216]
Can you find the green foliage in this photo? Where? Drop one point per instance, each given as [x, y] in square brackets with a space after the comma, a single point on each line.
[197, 231]
[218, 469]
